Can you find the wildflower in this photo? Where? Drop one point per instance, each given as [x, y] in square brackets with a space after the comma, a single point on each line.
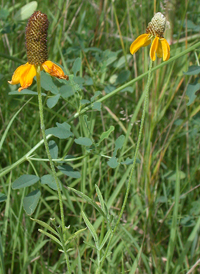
[154, 33]
[36, 48]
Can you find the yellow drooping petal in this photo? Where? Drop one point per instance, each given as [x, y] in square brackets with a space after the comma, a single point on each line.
[17, 74]
[24, 75]
[159, 51]
[142, 41]
[153, 48]
[54, 70]
[27, 76]
[165, 49]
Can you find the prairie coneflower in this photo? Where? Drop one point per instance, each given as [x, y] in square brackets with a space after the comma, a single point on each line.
[154, 33]
[36, 48]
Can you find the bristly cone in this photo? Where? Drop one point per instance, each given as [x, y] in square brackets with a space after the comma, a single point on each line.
[36, 38]
[157, 25]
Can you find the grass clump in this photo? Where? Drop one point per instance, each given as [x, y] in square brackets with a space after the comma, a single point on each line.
[93, 123]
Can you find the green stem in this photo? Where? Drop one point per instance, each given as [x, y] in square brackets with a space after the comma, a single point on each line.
[50, 159]
[130, 83]
[133, 166]
[23, 159]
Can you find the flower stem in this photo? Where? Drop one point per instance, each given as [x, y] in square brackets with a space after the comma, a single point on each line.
[50, 160]
[133, 165]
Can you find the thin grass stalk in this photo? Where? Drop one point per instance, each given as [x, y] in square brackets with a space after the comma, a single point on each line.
[42, 125]
[133, 166]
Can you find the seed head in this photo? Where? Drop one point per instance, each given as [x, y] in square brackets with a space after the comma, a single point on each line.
[36, 38]
[157, 25]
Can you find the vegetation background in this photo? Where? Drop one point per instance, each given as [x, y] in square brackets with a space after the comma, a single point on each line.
[159, 230]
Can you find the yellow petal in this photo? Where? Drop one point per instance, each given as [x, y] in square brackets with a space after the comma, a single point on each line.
[27, 76]
[17, 74]
[165, 49]
[153, 48]
[142, 41]
[54, 70]
[24, 75]
[159, 51]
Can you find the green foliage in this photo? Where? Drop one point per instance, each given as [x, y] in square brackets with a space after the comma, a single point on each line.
[92, 123]
[31, 200]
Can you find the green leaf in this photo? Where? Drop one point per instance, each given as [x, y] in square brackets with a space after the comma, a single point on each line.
[26, 11]
[97, 106]
[76, 234]
[195, 209]
[24, 181]
[129, 161]
[123, 77]
[187, 221]
[88, 81]
[189, 24]
[3, 197]
[110, 60]
[113, 162]
[53, 149]
[52, 101]
[84, 101]
[122, 61]
[47, 83]
[66, 91]
[109, 89]
[172, 175]
[69, 171]
[77, 83]
[118, 144]
[25, 91]
[191, 90]
[3, 14]
[84, 141]
[76, 66]
[31, 200]
[100, 197]
[105, 239]
[105, 134]
[129, 89]
[91, 228]
[50, 181]
[193, 70]
[89, 200]
[53, 238]
[62, 131]
[97, 93]
[161, 199]
[45, 225]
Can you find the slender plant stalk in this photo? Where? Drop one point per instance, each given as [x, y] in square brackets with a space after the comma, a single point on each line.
[51, 162]
[112, 93]
[133, 166]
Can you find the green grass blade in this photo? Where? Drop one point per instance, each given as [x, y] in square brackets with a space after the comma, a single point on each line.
[50, 236]
[45, 225]
[91, 228]
[90, 201]
[172, 241]
[1, 257]
[100, 198]
[10, 123]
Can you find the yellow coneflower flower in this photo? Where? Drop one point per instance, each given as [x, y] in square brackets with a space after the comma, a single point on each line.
[154, 33]
[36, 48]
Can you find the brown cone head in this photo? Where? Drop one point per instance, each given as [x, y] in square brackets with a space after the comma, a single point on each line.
[36, 38]
[157, 25]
